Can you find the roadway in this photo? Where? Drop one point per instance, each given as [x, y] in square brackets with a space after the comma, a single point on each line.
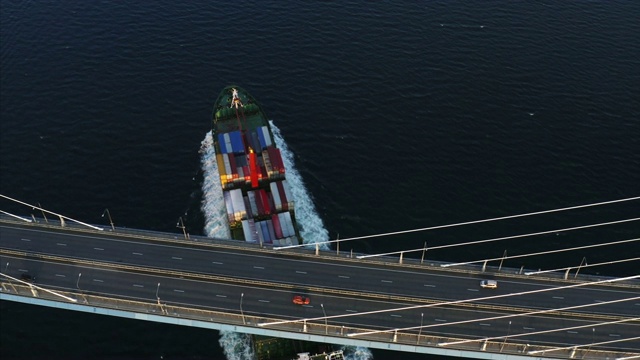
[220, 277]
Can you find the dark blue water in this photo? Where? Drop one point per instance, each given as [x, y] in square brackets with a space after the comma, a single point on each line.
[400, 116]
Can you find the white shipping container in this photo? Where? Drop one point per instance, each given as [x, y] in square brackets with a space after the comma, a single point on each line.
[283, 225]
[287, 193]
[276, 196]
[252, 202]
[246, 229]
[265, 133]
[259, 233]
[228, 203]
[287, 217]
[238, 204]
[254, 232]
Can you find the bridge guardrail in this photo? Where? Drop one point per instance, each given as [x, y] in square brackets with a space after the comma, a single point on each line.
[336, 333]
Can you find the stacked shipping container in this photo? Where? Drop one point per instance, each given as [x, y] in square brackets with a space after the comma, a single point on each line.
[264, 211]
[233, 163]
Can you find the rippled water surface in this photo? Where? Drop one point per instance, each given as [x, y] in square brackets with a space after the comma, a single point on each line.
[399, 116]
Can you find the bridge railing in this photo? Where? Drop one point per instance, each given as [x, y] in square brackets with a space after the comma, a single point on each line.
[339, 334]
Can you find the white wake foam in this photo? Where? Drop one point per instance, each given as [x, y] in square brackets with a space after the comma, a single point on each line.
[236, 346]
[356, 353]
[311, 227]
[213, 202]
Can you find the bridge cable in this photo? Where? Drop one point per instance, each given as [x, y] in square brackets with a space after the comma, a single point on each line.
[466, 223]
[503, 238]
[542, 252]
[537, 312]
[598, 282]
[51, 212]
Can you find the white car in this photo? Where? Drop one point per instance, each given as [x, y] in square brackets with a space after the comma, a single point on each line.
[489, 284]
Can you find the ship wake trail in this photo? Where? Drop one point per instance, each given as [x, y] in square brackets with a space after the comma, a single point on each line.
[357, 353]
[312, 229]
[236, 346]
[213, 201]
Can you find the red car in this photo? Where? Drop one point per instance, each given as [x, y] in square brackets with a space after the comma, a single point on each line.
[301, 300]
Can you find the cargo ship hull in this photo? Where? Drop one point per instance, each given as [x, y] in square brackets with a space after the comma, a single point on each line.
[259, 203]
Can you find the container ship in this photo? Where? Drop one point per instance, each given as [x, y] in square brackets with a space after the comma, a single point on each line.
[258, 200]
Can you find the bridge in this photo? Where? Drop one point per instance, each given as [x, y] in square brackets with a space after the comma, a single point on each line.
[413, 305]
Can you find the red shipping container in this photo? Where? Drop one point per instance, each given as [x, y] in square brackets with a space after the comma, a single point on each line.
[276, 226]
[247, 174]
[265, 201]
[283, 196]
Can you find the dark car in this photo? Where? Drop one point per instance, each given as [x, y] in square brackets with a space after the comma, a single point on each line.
[27, 278]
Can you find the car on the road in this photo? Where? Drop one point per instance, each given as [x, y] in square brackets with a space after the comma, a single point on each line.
[27, 278]
[489, 284]
[301, 300]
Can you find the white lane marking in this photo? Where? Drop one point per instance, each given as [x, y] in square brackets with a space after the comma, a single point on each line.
[351, 311]
[559, 297]
[614, 335]
[23, 270]
[138, 285]
[216, 262]
[396, 315]
[137, 253]
[344, 277]
[98, 280]
[300, 272]
[386, 281]
[23, 239]
[264, 301]
[61, 244]
[99, 249]
[60, 275]
[441, 320]
[572, 332]
[473, 290]
[484, 324]
[176, 258]
[258, 267]
[528, 328]
[222, 296]
[429, 285]
[178, 290]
